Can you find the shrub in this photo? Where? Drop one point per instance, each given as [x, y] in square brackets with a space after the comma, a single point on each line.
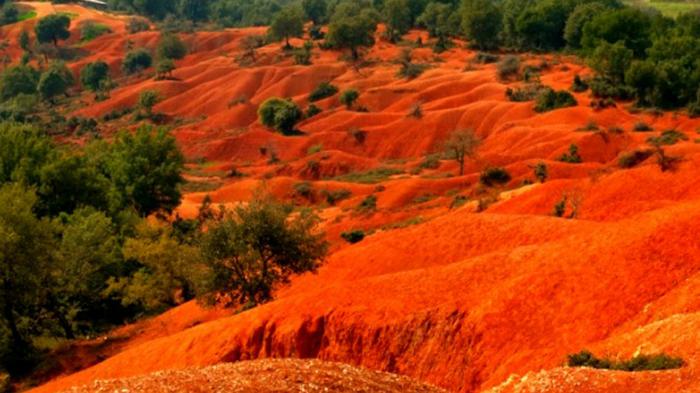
[312, 111]
[314, 149]
[416, 111]
[147, 100]
[637, 363]
[354, 236]
[323, 90]
[509, 67]
[137, 24]
[541, 172]
[431, 161]
[579, 85]
[523, 94]
[667, 138]
[486, 58]
[572, 156]
[349, 97]
[358, 135]
[633, 158]
[550, 99]
[642, 127]
[304, 190]
[137, 60]
[369, 204]
[302, 56]
[494, 176]
[280, 114]
[411, 70]
[335, 196]
[171, 47]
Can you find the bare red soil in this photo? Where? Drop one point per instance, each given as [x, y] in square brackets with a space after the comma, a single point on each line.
[469, 301]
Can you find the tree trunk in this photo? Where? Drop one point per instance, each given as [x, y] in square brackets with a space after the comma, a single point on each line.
[62, 321]
[9, 315]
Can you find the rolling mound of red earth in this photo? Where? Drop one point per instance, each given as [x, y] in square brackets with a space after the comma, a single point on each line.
[485, 296]
[265, 376]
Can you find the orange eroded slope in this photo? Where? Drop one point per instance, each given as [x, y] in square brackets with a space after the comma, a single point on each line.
[464, 300]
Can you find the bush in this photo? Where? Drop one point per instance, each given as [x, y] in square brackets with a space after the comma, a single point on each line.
[642, 127]
[335, 196]
[171, 47]
[304, 190]
[137, 60]
[354, 236]
[349, 97]
[541, 172]
[312, 111]
[137, 24]
[523, 94]
[279, 114]
[633, 158]
[323, 90]
[550, 99]
[508, 68]
[486, 58]
[667, 138]
[579, 85]
[494, 176]
[572, 156]
[637, 363]
[369, 204]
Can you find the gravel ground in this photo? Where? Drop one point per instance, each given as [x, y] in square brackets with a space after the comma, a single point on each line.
[264, 376]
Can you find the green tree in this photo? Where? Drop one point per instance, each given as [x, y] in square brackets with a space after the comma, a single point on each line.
[88, 249]
[145, 169]
[23, 153]
[165, 68]
[641, 76]
[137, 60]
[27, 245]
[349, 97]
[462, 145]
[168, 274]
[52, 28]
[315, 10]
[55, 81]
[397, 17]
[257, 247]
[481, 23]
[629, 25]
[436, 19]
[170, 46]
[194, 10]
[352, 27]
[541, 25]
[583, 13]
[288, 23]
[94, 75]
[147, 100]
[280, 114]
[68, 181]
[17, 80]
[611, 61]
[24, 41]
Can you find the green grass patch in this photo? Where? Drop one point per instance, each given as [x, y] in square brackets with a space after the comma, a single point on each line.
[26, 15]
[90, 31]
[668, 8]
[369, 177]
